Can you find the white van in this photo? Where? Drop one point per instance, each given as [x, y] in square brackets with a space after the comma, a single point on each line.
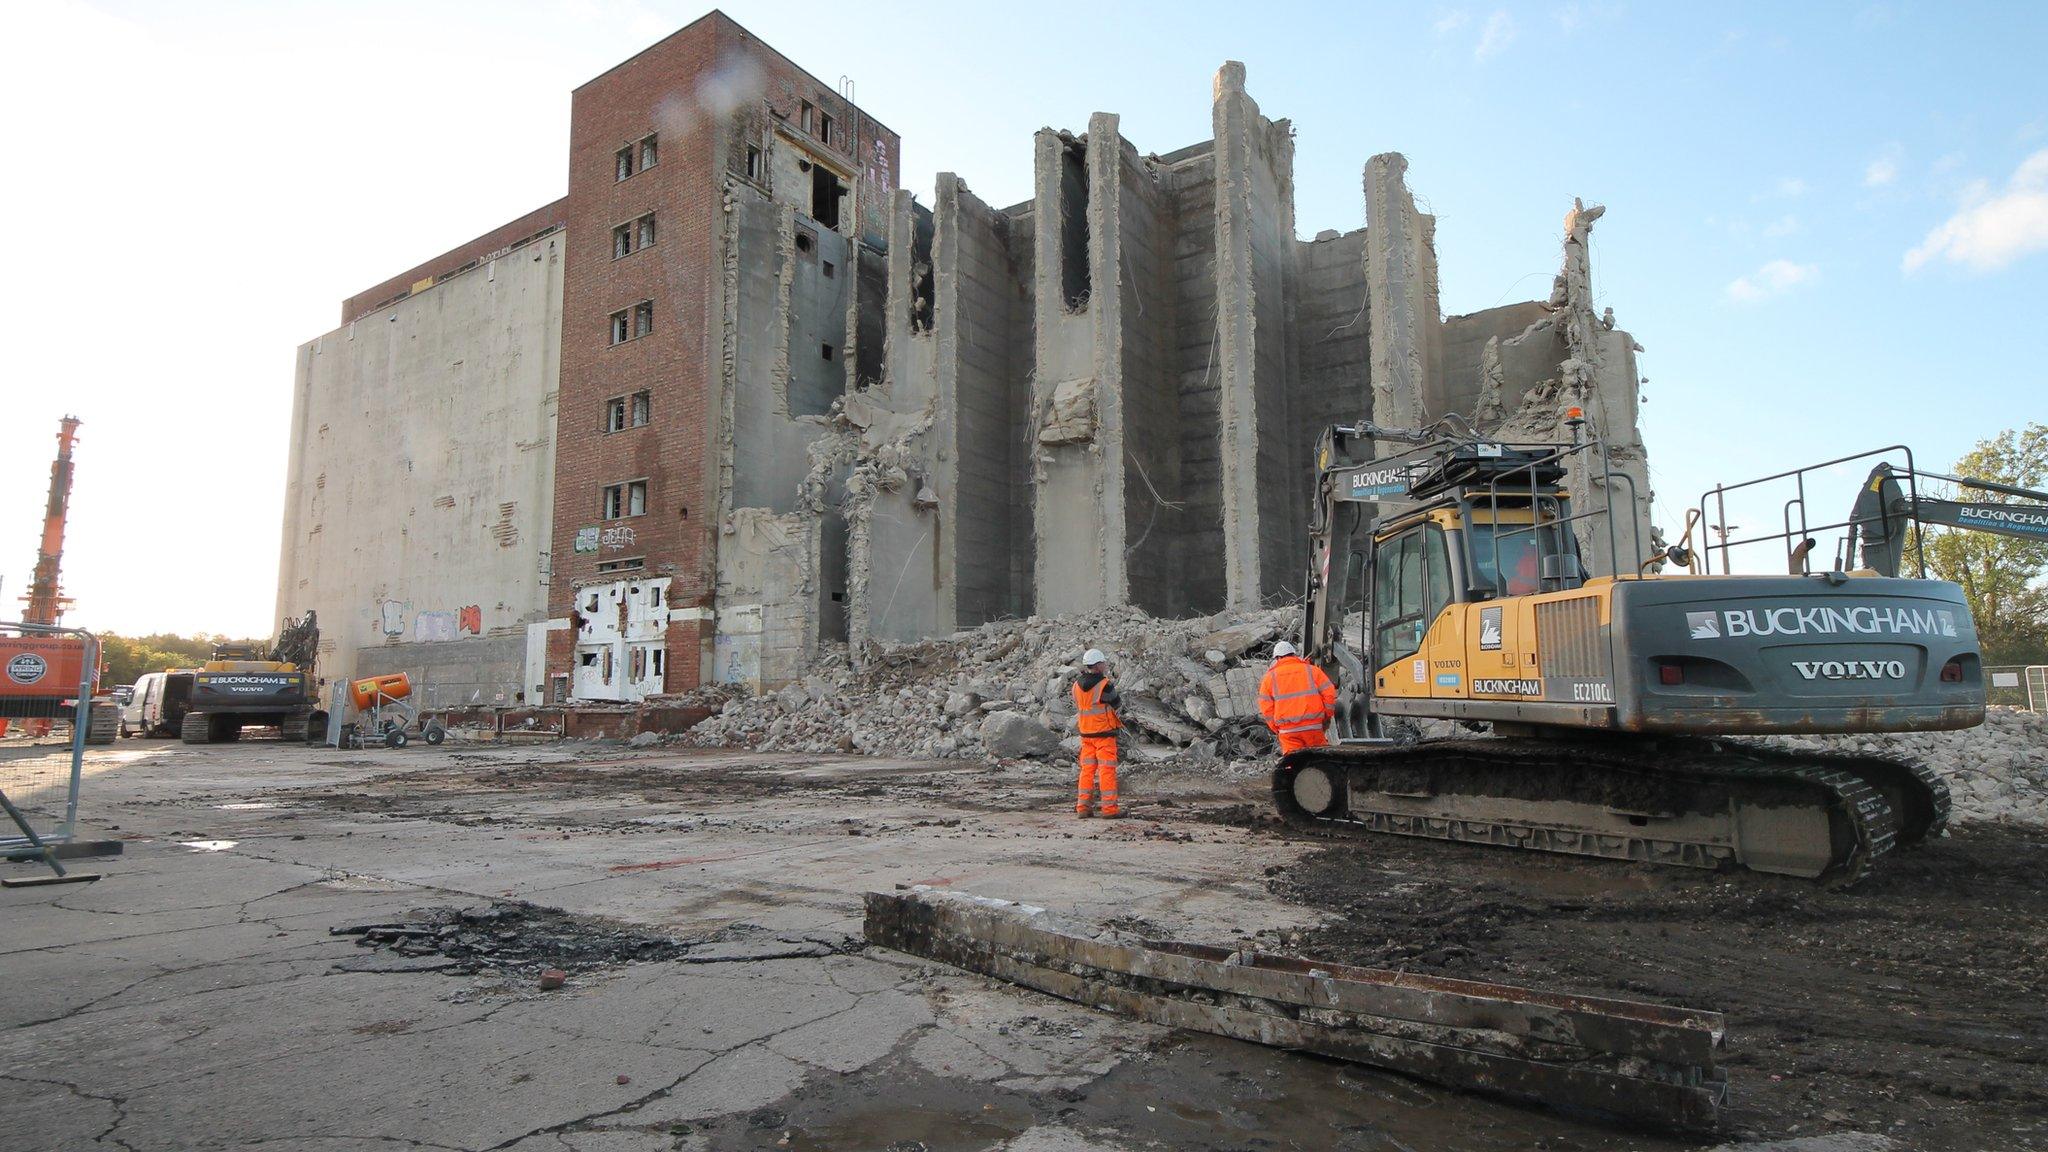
[143, 714]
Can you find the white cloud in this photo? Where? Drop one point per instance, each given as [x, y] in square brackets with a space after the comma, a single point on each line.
[1494, 38]
[1785, 225]
[1880, 172]
[1773, 279]
[1991, 231]
[1450, 22]
[1790, 186]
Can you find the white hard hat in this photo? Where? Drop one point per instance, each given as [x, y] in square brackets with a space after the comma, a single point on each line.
[1283, 648]
[1092, 657]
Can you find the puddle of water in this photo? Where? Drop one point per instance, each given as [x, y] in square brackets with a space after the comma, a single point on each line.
[246, 806]
[208, 845]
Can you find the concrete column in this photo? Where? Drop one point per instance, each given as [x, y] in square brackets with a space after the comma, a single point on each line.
[1400, 270]
[1077, 425]
[1236, 364]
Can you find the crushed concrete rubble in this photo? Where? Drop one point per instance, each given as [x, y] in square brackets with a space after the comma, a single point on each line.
[1997, 773]
[1190, 690]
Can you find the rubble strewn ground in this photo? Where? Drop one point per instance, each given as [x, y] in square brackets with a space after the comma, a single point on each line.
[1001, 691]
[1997, 773]
[221, 1011]
[1190, 691]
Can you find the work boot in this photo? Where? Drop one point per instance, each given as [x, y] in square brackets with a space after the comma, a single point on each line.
[1112, 814]
[1083, 813]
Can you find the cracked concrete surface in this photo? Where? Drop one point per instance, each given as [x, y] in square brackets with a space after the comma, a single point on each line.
[195, 999]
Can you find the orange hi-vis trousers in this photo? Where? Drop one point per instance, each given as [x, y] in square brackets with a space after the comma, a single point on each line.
[1098, 775]
[1295, 741]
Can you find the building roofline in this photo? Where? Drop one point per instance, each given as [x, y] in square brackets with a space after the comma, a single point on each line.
[719, 14]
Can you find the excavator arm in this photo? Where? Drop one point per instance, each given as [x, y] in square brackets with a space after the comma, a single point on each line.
[1885, 507]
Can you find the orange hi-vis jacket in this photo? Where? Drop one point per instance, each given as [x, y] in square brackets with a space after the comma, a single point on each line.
[1296, 699]
[1095, 717]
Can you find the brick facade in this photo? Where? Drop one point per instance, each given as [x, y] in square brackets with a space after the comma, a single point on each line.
[703, 94]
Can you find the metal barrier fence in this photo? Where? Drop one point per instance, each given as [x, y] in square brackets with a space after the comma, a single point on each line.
[2017, 686]
[39, 779]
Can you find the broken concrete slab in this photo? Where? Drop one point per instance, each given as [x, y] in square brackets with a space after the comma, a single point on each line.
[1009, 735]
[1635, 1061]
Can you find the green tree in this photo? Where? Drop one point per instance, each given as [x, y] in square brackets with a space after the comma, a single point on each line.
[2001, 575]
[124, 658]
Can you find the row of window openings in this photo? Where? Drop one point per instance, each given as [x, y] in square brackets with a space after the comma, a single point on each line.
[632, 236]
[633, 323]
[636, 157]
[644, 662]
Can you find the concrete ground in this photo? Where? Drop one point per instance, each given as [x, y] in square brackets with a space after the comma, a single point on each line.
[195, 998]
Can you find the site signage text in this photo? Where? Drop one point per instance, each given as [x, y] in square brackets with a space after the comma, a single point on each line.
[1859, 620]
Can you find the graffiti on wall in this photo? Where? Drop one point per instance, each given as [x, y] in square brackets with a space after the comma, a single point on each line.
[618, 539]
[396, 619]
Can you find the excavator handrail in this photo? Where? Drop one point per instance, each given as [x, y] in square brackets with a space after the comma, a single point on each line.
[1718, 496]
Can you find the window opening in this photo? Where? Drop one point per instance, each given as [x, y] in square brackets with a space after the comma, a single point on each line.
[828, 268]
[642, 409]
[646, 230]
[622, 241]
[623, 500]
[825, 193]
[622, 330]
[615, 414]
[630, 564]
[805, 241]
[824, 129]
[648, 154]
[623, 163]
[753, 162]
[1074, 272]
[804, 118]
[643, 318]
[825, 350]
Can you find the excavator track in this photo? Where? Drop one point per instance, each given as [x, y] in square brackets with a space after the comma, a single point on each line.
[1686, 803]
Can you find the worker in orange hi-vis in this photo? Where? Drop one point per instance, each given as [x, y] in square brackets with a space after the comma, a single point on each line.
[1296, 699]
[1095, 702]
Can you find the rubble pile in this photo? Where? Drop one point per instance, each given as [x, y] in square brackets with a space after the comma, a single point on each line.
[1190, 691]
[1997, 773]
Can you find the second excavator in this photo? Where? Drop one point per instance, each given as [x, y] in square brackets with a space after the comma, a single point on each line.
[1449, 582]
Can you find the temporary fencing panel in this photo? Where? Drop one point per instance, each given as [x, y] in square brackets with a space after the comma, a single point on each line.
[45, 674]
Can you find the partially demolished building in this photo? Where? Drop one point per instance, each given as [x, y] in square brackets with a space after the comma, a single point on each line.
[738, 395]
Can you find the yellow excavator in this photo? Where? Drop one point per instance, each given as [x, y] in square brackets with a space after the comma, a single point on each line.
[1448, 582]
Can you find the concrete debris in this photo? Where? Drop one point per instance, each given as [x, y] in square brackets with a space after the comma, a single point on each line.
[1071, 419]
[1996, 773]
[1627, 1059]
[1014, 736]
[1190, 691]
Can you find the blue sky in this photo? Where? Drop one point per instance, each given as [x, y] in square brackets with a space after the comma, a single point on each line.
[1823, 224]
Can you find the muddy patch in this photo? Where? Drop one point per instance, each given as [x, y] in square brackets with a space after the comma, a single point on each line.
[1191, 1092]
[1912, 1004]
